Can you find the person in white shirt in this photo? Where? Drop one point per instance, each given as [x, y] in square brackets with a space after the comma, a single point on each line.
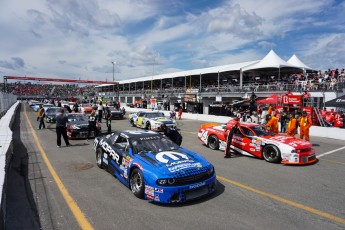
[255, 118]
[100, 112]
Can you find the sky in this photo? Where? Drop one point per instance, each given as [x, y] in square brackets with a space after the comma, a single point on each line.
[79, 39]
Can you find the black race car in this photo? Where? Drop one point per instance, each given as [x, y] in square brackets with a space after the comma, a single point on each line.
[51, 114]
[78, 126]
[115, 113]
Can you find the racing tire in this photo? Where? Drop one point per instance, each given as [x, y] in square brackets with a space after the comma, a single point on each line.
[213, 142]
[148, 126]
[271, 154]
[99, 158]
[137, 183]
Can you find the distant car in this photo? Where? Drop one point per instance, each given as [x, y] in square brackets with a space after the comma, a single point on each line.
[151, 120]
[33, 102]
[51, 114]
[36, 107]
[153, 167]
[78, 126]
[46, 106]
[253, 140]
[115, 113]
[86, 108]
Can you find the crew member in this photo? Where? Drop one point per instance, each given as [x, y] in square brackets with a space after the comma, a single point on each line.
[100, 111]
[228, 151]
[179, 113]
[270, 109]
[172, 134]
[304, 123]
[272, 124]
[61, 120]
[92, 124]
[292, 126]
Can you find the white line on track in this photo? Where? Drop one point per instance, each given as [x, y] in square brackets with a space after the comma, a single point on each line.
[327, 153]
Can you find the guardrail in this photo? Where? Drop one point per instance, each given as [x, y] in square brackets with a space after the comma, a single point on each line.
[6, 152]
[6, 101]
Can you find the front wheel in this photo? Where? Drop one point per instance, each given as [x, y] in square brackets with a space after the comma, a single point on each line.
[148, 126]
[99, 158]
[137, 183]
[213, 142]
[271, 154]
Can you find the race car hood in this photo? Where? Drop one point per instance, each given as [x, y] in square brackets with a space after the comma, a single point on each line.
[176, 163]
[291, 141]
[83, 124]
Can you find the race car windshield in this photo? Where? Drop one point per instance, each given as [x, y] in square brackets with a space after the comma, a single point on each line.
[153, 144]
[153, 115]
[53, 110]
[74, 117]
[260, 131]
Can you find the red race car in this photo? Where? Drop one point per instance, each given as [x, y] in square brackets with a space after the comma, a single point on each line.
[253, 140]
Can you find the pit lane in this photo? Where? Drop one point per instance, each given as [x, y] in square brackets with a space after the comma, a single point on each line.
[244, 199]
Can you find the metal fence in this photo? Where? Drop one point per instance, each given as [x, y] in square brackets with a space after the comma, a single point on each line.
[6, 101]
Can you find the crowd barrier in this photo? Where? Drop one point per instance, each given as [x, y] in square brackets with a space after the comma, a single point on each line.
[327, 132]
[6, 151]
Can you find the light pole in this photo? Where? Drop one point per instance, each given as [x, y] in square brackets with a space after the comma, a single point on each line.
[113, 62]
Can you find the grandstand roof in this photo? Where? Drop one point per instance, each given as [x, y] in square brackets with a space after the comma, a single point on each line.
[215, 69]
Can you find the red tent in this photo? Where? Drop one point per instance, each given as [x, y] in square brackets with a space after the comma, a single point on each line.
[273, 99]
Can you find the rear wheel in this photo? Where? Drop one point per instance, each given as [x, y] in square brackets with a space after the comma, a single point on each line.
[213, 142]
[137, 183]
[271, 154]
[99, 158]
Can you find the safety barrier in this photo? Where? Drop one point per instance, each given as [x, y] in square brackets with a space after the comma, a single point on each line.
[6, 151]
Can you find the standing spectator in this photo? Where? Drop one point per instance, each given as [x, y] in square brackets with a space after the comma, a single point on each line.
[283, 121]
[40, 117]
[228, 151]
[92, 125]
[179, 113]
[61, 120]
[100, 112]
[108, 119]
[305, 123]
[255, 118]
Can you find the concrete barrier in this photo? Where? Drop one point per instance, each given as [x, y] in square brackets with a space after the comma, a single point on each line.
[6, 151]
[327, 132]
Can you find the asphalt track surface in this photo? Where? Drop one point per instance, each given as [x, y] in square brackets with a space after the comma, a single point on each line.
[251, 194]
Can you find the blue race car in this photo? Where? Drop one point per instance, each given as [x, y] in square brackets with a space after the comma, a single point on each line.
[155, 168]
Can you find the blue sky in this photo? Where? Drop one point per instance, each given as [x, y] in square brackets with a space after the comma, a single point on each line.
[80, 39]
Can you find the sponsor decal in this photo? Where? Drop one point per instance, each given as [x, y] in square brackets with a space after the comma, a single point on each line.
[149, 190]
[150, 197]
[163, 156]
[110, 151]
[125, 175]
[252, 149]
[179, 162]
[157, 197]
[159, 190]
[149, 138]
[184, 166]
[105, 161]
[194, 186]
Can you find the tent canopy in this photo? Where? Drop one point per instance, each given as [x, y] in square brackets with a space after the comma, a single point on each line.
[294, 60]
[273, 99]
[337, 102]
[271, 60]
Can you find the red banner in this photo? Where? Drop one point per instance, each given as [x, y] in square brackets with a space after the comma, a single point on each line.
[57, 80]
[292, 99]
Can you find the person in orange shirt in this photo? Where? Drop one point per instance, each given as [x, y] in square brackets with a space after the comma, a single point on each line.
[292, 126]
[272, 124]
[304, 123]
[179, 113]
[269, 111]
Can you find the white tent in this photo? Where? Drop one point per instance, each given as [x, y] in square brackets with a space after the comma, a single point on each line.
[294, 60]
[271, 60]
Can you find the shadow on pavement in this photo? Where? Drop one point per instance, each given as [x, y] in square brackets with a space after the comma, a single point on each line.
[21, 210]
